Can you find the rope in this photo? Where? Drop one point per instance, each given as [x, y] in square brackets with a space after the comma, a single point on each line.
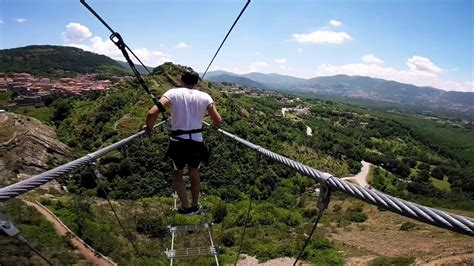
[225, 38]
[117, 39]
[37, 252]
[31, 183]
[9, 229]
[99, 180]
[324, 198]
[112, 31]
[456, 223]
[242, 236]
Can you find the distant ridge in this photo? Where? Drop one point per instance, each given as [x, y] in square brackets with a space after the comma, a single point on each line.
[361, 88]
[57, 61]
[139, 67]
[237, 80]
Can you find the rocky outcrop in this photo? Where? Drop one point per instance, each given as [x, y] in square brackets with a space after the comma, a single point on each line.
[27, 147]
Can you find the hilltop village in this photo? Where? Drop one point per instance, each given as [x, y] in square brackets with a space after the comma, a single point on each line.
[29, 90]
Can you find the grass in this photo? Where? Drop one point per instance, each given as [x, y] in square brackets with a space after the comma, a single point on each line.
[42, 113]
[441, 184]
[4, 99]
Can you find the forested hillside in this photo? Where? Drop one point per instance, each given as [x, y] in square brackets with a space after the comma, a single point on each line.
[58, 62]
[412, 161]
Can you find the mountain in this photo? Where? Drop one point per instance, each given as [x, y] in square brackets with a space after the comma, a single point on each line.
[365, 89]
[391, 91]
[237, 80]
[139, 67]
[57, 61]
[276, 80]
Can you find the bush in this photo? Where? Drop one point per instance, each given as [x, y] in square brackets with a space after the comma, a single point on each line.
[408, 226]
[152, 226]
[228, 240]
[358, 217]
[219, 212]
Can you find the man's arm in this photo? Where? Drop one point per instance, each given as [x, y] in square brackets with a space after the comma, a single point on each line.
[153, 113]
[215, 116]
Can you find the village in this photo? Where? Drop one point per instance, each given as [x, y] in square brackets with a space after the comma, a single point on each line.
[30, 90]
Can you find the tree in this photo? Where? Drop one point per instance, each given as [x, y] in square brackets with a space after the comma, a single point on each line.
[424, 176]
[437, 173]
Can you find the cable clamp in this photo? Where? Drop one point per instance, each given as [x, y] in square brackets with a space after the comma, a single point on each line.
[95, 169]
[324, 196]
[8, 227]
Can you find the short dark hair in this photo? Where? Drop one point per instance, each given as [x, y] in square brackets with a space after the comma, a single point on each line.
[190, 78]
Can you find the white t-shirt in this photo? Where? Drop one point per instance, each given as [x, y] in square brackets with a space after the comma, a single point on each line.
[188, 109]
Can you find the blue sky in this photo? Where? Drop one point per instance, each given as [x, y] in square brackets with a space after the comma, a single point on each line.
[426, 43]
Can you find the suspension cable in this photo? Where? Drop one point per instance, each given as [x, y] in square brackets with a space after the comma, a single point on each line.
[323, 202]
[10, 229]
[117, 39]
[225, 38]
[99, 179]
[242, 236]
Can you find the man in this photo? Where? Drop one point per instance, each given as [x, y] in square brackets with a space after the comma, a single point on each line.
[186, 147]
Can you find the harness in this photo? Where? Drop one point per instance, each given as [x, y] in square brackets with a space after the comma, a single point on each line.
[178, 132]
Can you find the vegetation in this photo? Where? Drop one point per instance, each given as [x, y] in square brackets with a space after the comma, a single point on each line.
[283, 207]
[39, 232]
[57, 62]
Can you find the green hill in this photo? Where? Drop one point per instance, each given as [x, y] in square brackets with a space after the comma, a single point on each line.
[58, 61]
[284, 205]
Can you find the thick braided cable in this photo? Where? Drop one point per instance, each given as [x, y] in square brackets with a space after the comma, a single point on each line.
[418, 212]
[24, 186]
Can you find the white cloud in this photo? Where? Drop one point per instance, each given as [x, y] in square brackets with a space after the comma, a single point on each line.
[300, 50]
[21, 20]
[97, 45]
[280, 61]
[182, 45]
[371, 59]
[322, 36]
[256, 66]
[335, 23]
[413, 75]
[1, 21]
[76, 32]
[423, 64]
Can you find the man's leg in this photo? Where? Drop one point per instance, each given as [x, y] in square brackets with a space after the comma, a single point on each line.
[195, 184]
[178, 185]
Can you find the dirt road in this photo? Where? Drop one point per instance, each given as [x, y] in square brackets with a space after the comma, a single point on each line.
[361, 177]
[88, 252]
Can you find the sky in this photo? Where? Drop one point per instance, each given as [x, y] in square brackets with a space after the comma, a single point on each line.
[421, 42]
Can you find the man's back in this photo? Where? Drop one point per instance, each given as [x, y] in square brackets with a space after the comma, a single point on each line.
[188, 109]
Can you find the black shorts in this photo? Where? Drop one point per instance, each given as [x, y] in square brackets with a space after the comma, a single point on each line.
[187, 152]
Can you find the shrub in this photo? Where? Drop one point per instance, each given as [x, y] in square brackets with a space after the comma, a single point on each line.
[219, 212]
[408, 226]
[358, 217]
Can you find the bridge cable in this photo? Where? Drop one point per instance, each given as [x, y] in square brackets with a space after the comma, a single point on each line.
[117, 39]
[323, 202]
[221, 235]
[10, 229]
[99, 179]
[242, 236]
[225, 38]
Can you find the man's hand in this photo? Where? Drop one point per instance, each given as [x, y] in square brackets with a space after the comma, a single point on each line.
[148, 130]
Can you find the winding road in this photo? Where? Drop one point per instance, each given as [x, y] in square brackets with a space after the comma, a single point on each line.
[361, 177]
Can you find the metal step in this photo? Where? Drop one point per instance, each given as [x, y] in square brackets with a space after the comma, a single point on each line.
[189, 227]
[190, 252]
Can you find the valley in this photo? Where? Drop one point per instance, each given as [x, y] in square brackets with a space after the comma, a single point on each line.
[405, 155]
